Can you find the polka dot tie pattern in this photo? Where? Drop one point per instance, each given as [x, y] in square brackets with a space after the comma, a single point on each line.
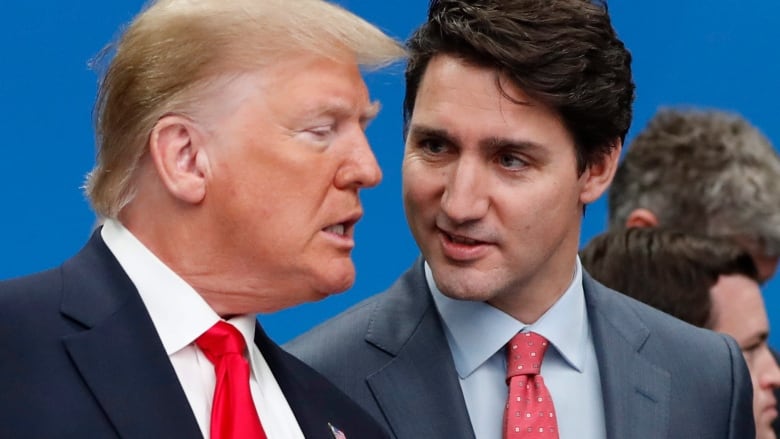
[529, 409]
[233, 414]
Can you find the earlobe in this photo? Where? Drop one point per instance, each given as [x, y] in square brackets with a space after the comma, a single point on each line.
[641, 218]
[176, 148]
[598, 176]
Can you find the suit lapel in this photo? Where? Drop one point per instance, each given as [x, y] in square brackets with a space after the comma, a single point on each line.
[119, 354]
[315, 402]
[303, 397]
[636, 392]
[418, 389]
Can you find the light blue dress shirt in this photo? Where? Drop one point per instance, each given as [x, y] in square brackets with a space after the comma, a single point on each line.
[477, 332]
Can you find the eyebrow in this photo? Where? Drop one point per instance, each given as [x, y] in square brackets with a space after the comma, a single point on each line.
[342, 108]
[491, 143]
[756, 340]
[418, 130]
[370, 112]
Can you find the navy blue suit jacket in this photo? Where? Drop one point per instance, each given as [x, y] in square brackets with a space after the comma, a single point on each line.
[80, 358]
[660, 377]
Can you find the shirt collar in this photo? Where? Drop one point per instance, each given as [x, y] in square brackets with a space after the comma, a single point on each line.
[476, 331]
[179, 313]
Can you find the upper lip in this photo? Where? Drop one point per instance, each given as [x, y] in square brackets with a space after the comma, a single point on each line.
[462, 236]
[348, 222]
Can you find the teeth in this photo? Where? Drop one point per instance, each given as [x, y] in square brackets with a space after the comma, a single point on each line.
[337, 229]
[461, 240]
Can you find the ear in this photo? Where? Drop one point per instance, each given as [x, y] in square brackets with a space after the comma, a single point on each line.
[641, 218]
[598, 176]
[177, 148]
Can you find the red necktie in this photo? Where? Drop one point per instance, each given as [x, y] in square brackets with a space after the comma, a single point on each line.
[233, 414]
[529, 408]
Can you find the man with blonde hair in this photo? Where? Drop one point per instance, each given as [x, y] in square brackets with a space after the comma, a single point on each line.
[231, 150]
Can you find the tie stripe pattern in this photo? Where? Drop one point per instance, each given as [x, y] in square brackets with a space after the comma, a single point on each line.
[233, 413]
[529, 409]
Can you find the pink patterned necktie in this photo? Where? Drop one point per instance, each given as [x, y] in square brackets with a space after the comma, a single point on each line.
[233, 413]
[529, 408]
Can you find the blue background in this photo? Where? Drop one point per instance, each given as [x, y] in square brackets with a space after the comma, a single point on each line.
[718, 53]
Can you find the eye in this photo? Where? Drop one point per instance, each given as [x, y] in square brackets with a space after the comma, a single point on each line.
[319, 134]
[510, 161]
[432, 146]
[322, 132]
[751, 350]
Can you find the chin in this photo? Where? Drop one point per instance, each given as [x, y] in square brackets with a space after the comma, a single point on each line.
[765, 432]
[764, 428]
[461, 285]
[335, 282]
[463, 292]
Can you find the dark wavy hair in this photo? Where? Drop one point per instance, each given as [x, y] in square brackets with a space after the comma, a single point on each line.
[668, 269]
[563, 53]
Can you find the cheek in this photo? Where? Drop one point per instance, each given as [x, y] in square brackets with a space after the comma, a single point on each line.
[424, 183]
[415, 189]
[543, 207]
[560, 204]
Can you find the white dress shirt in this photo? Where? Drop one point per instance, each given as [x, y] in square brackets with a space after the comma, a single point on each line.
[477, 333]
[180, 316]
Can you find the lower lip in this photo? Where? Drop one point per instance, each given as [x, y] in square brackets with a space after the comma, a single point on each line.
[342, 241]
[461, 252]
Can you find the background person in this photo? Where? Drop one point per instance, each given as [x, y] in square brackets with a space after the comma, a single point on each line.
[708, 282]
[703, 171]
[707, 172]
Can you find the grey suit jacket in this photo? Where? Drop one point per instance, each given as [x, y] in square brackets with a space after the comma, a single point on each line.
[661, 378]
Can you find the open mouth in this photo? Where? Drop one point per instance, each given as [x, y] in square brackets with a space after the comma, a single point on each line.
[461, 239]
[343, 229]
[337, 229]
[462, 248]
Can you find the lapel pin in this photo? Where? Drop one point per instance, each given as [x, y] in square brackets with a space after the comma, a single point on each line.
[336, 433]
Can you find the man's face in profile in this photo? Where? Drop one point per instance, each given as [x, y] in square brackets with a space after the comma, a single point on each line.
[738, 310]
[491, 189]
[289, 161]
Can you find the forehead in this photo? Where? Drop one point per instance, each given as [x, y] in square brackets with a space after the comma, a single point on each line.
[302, 84]
[475, 101]
[738, 307]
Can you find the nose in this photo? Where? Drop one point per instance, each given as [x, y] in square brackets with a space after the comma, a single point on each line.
[770, 376]
[465, 196]
[360, 169]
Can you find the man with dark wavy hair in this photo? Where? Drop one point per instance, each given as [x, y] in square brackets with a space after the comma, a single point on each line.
[515, 114]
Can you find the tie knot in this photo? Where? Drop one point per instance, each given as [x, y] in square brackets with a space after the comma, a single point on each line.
[524, 354]
[221, 339]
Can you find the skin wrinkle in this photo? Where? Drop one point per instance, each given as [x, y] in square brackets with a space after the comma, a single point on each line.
[266, 224]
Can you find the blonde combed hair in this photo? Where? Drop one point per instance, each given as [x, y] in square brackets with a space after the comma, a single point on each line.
[172, 50]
